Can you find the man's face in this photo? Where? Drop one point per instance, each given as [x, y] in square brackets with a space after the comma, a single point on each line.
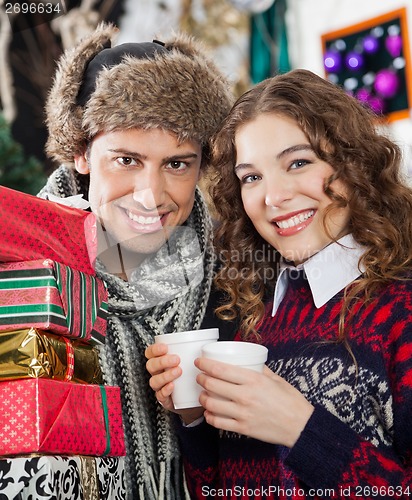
[142, 185]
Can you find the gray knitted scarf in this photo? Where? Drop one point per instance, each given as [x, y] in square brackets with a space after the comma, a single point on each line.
[169, 292]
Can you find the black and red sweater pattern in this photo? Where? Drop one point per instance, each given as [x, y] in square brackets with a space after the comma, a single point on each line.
[358, 441]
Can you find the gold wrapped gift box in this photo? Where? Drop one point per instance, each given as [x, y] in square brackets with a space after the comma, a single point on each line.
[38, 354]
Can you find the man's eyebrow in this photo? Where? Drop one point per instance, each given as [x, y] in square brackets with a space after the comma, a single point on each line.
[135, 154]
[125, 152]
[285, 152]
[184, 156]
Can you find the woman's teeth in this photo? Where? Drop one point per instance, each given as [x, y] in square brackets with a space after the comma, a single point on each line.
[295, 220]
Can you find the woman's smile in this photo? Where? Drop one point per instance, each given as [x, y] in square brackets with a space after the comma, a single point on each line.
[291, 223]
[283, 187]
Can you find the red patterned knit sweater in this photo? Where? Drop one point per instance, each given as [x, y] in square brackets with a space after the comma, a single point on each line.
[358, 441]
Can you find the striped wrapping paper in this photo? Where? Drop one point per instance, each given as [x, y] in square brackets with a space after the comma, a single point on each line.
[51, 296]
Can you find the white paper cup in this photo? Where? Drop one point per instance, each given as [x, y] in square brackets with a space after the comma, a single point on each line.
[188, 346]
[244, 354]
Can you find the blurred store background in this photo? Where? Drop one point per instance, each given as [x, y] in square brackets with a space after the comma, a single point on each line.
[363, 46]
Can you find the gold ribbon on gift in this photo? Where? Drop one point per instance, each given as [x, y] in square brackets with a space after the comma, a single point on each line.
[38, 354]
[88, 477]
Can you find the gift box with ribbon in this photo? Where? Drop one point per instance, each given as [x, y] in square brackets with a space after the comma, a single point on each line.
[40, 415]
[32, 228]
[39, 354]
[62, 477]
[51, 296]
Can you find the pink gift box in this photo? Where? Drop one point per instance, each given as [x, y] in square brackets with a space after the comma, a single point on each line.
[32, 228]
[50, 296]
[60, 418]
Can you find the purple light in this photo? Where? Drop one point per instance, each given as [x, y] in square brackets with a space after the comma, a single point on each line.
[386, 83]
[370, 44]
[376, 104]
[354, 61]
[332, 61]
[393, 44]
[363, 95]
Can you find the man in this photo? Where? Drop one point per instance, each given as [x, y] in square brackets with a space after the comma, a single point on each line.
[130, 126]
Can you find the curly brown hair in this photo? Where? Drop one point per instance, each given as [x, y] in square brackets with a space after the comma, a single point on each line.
[343, 133]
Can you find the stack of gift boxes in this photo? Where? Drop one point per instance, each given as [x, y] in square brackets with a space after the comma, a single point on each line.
[61, 430]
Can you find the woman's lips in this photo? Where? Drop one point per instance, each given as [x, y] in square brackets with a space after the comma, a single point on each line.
[293, 223]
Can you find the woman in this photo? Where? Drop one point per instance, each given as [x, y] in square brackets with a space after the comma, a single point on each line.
[303, 173]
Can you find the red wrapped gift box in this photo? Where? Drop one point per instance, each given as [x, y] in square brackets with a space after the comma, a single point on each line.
[51, 296]
[60, 418]
[32, 228]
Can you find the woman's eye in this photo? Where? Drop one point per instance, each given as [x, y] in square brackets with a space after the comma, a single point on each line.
[298, 164]
[126, 161]
[247, 179]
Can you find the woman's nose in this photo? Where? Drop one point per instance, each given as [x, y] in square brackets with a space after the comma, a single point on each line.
[278, 191]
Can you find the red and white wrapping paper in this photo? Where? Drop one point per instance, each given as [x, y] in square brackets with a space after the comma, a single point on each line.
[32, 228]
[60, 418]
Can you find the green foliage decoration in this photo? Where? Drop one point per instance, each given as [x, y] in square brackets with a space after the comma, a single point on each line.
[16, 170]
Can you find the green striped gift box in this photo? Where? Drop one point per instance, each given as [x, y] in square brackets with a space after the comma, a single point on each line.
[51, 296]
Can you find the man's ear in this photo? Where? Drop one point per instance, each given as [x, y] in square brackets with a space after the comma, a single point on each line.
[81, 164]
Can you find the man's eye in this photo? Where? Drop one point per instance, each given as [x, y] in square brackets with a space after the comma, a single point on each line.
[126, 161]
[177, 165]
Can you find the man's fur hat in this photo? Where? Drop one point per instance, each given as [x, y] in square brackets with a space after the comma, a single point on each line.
[178, 89]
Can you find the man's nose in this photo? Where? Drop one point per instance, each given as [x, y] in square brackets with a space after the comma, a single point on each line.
[149, 190]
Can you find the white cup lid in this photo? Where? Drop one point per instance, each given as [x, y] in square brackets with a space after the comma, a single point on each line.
[188, 336]
[236, 353]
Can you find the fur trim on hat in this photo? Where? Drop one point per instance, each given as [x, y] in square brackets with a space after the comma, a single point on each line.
[63, 116]
[180, 90]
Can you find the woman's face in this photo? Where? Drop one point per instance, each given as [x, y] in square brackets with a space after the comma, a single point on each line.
[282, 187]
